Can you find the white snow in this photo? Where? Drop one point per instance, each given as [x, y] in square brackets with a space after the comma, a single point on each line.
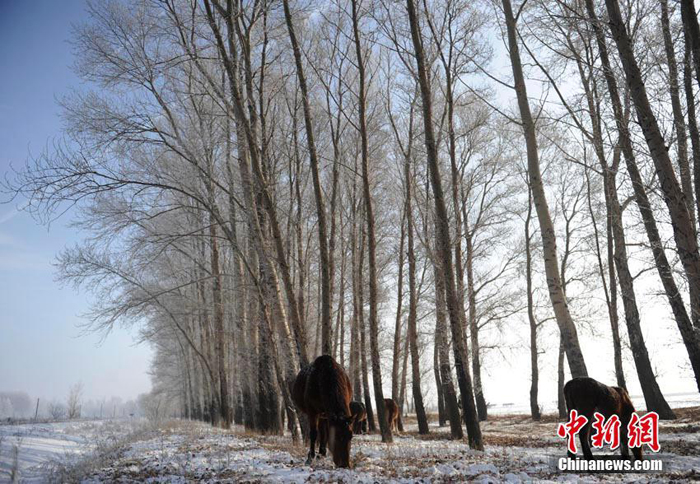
[33, 449]
[517, 450]
[193, 451]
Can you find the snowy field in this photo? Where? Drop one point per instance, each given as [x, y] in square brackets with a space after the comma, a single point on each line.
[517, 450]
[37, 452]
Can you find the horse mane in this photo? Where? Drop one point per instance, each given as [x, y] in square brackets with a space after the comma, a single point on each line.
[624, 397]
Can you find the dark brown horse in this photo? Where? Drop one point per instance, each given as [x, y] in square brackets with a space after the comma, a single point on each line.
[322, 391]
[586, 396]
[392, 414]
[359, 416]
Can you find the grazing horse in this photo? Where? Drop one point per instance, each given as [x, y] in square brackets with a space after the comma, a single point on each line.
[393, 415]
[359, 416]
[586, 396]
[322, 391]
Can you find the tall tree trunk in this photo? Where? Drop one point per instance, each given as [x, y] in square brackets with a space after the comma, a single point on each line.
[339, 341]
[340, 322]
[402, 403]
[206, 344]
[252, 302]
[474, 329]
[363, 336]
[442, 414]
[300, 259]
[371, 238]
[678, 120]
[561, 380]
[399, 312]
[652, 393]
[287, 367]
[461, 226]
[248, 137]
[690, 106]
[252, 343]
[567, 328]
[691, 32]
[444, 240]
[219, 328]
[196, 381]
[614, 320]
[326, 321]
[683, 230]
[688, 332]
[448, 390]
[611, 292]
[355, 349]
[534, 368]
[413, 306]
[365, 378]
[267, 362]
[609, 173]
[246, 350]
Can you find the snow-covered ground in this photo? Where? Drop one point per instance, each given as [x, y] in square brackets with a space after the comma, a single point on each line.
[31, 452]
[517, 450]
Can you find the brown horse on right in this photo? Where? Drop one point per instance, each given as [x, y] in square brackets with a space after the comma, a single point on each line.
[322, 391]
[586, 396]
[393, 414]
[359, 416]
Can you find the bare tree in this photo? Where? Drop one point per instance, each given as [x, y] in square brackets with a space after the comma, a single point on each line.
[371, 237]
[74, 402]
[534, 368]
[57, 410]
[326, 322]
[443, 236]
[549, 243]
[683, 229]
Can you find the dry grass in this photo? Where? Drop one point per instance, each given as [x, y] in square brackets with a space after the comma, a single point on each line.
[107, 448]
[688, 413]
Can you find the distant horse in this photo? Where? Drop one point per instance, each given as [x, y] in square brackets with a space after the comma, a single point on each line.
[322, 391]
[359, 416]
[586, 396]
[393, 414]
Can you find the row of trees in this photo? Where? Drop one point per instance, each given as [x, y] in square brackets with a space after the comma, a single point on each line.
[262, 182]
[18, 405]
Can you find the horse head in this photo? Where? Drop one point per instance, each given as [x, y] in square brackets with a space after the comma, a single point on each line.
[339, 437]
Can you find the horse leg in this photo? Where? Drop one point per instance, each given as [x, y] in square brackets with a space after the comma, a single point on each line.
[570, 454]
[313, 430]
[624, 444]
[585, 436]
[323, 434]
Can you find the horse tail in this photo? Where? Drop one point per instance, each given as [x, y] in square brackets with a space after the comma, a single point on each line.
[568, 398]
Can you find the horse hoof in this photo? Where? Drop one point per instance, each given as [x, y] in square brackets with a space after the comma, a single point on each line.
[309, 460]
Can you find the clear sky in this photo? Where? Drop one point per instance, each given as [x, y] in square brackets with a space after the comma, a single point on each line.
[42, 351]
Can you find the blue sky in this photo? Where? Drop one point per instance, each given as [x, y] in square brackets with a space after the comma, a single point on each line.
[41, 350]
[41, 347]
